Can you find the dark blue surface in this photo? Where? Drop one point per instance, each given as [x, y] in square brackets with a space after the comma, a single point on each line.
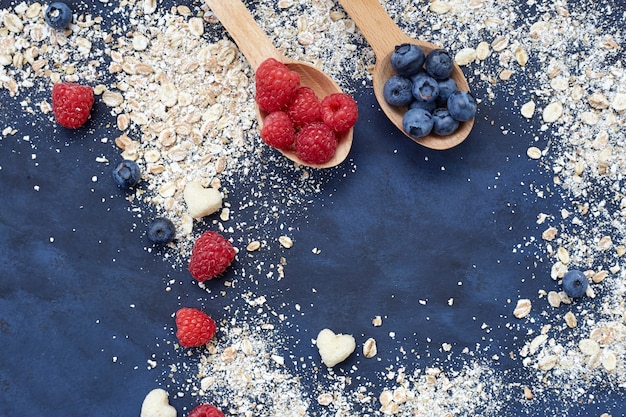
[408, 224]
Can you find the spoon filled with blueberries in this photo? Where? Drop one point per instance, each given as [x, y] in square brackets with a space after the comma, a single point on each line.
[418, 85]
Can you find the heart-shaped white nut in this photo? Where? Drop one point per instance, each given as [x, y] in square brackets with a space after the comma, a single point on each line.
[334, 348]
[201, 201]
[156, 404]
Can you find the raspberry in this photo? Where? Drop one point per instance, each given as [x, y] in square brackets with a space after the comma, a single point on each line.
[71, 104]
[339, 111]
[206, 410]
[316, 143]
[275, 85]
[193, 327]
[278, 130]
[210, 256]
[304, 107]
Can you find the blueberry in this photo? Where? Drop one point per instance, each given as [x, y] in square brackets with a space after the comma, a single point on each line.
[446, 88]
[58, 15]
[443, 123]
[417, 122]
[407, 59]
[462, 106]
[438, 64]
[429, 106]
[397, 91]
[425, 88]
[161, 231]
[575, 283]
[127, 174]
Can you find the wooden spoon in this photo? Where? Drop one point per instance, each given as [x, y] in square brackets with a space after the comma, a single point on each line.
[383, 35]
[256, 47]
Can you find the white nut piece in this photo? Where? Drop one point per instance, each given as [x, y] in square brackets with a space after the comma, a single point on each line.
[201, 201]
[156, 404]
[334, 348]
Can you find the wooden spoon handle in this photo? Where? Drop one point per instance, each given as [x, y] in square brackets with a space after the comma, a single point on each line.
[377, 27]
[249, 37]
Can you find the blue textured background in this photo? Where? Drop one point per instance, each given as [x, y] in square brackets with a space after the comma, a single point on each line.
[408, 224]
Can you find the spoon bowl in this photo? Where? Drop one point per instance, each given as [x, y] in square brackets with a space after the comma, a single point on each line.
[384, 35]
[256, 47]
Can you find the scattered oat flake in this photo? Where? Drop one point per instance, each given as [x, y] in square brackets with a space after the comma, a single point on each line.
[522, 309]
[285, 241]
[528, 109]
[553, 112]
[533, 152]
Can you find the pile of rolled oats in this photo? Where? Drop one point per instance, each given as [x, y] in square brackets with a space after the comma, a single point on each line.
[180, 100]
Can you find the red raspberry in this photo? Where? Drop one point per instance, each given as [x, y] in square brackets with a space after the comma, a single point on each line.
[193, 327]
[206, 410]
[71, 104]
[278, 130]
[339, 111]
[316, 143]
[210, 256]
[275, 85]
[304, 107]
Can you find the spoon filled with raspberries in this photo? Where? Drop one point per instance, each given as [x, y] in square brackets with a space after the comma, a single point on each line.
[301, 110]
[420, 88]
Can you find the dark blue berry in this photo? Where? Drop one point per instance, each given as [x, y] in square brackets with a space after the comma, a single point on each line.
[429, 106]
[407, 59]
[397, 91]
[127, 174]
[446, 88]
[161, 231]
[575, 283]
[438, 64]
[58, 15]
[417, 122]
[443, 123]
[425, 88]
[462, 106]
